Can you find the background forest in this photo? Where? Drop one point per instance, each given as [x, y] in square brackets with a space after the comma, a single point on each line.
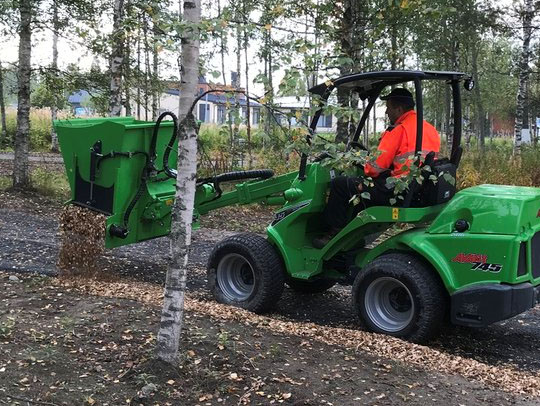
[275, 48]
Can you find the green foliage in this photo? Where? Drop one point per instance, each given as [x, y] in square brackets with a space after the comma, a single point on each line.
[49, 92]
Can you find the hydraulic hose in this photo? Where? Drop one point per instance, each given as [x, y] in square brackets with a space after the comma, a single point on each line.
[236, 175]
[171, 173]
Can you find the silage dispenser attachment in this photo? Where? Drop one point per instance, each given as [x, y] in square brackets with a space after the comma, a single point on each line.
[115, 166]
[126, 169]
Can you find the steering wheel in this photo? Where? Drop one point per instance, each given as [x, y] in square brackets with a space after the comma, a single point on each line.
[322, 156]
[356, 145]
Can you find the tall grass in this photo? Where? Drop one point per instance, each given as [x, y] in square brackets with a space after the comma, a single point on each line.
[40, 129]
[498, 166]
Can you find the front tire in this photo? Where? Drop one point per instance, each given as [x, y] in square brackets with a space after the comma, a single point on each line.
[245, 270]
[399, 295]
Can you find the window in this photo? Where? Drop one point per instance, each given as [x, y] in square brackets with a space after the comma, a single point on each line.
[256, 116]
[202, 112]
[325, 121]
[221, 114]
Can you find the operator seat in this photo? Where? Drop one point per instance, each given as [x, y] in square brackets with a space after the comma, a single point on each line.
[433, 192]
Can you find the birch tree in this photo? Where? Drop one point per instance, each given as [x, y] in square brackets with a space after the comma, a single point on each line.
[116, 60]
[168, 339]
[21, 177]
[3, 133]
[528, 14]
[54, 66]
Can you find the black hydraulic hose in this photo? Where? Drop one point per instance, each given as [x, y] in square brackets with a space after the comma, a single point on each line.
[171, 173]
[134, 201]
[237, 175]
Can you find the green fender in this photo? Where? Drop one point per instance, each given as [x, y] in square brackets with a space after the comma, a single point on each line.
[417, 241]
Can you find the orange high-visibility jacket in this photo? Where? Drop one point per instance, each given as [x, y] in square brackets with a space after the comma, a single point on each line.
[398, 144]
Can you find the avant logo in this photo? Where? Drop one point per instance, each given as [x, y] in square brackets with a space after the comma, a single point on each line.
[478, 261]
[469, 258]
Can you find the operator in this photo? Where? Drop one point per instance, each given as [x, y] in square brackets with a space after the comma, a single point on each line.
[397, 143]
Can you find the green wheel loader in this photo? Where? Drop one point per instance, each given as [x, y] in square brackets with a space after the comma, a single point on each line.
[473, 255]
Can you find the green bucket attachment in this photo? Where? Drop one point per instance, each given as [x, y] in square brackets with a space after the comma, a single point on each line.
[106, 161]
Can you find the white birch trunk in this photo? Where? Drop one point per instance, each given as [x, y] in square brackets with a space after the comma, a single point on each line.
[116, 60]
[21, 177]
[155, 68]
[3, 133]
[528, 14]
[172, 314]
[54, 66]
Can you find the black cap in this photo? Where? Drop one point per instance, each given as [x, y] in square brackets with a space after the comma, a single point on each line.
[400, 94]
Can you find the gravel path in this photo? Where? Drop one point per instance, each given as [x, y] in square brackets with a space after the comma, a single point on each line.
[29, 243]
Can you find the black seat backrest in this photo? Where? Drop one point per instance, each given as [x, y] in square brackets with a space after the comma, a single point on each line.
[439, 184]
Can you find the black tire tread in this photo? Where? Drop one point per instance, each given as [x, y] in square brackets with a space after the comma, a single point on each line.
[434, 295]
[264, 256]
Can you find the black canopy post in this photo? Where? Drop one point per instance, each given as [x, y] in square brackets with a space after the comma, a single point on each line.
[365, 116]
[456, 99]
[312, 129]
[419, 115]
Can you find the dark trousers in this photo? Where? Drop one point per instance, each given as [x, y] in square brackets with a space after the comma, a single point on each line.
[342, 189]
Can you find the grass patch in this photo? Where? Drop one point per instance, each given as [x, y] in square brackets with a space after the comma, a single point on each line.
[51, 184]
[45, 182]
[5, 182]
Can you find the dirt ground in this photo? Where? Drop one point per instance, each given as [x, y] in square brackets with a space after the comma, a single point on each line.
[66, 341]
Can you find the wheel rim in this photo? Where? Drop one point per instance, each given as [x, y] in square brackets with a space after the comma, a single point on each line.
[389, 304]
[235, 277]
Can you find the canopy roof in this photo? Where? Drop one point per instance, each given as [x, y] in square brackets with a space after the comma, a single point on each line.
[368, 82]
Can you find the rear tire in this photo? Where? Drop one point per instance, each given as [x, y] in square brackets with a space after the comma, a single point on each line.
[310, 287]
[399, 295]
[245, 270]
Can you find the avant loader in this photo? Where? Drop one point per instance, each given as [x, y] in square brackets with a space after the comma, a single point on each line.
[471, 257]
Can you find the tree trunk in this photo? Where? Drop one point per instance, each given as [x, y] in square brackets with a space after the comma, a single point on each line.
[248, 103]
[155, 69]
[168, 340]
[480, 113]
[268, 91]
[127, 76]
[342, 126]
[3, 133]
[116, 60]
[54, 66]
[523, 74]
[146, 68]
[238, 57]
[21, 177]
[222, 47]
[128, 79]
[139, 67]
